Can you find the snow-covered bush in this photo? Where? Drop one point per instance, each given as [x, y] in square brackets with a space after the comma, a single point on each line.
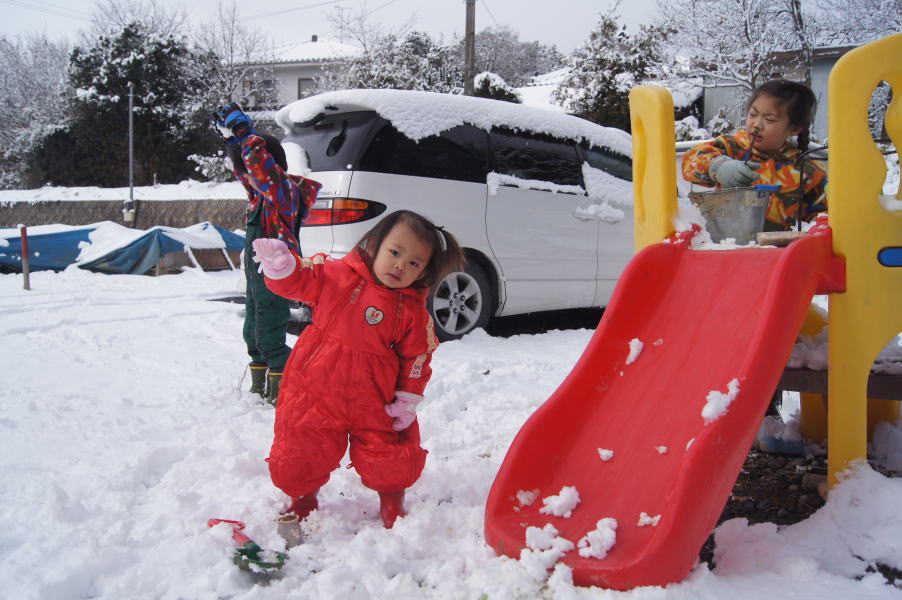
[719, 125]
[688, 129]
[490, 85]
[213, 168]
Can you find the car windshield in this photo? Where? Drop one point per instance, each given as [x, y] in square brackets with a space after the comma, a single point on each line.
[334, 143]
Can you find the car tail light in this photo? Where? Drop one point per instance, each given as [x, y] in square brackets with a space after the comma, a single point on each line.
[340, 211]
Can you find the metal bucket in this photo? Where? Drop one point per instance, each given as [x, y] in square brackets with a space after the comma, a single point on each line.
[736, 213]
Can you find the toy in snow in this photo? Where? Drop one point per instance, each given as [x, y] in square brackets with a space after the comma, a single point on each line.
[249, 556]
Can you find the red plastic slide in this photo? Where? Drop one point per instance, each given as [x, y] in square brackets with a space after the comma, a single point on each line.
[704, 319]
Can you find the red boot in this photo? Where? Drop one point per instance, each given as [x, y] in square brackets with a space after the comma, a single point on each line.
[391, 506]
[303, 506]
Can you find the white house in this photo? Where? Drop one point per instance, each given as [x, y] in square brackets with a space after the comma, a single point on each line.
[297, 69]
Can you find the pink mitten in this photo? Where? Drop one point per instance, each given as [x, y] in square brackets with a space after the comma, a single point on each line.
[276, 262]
[403, 409]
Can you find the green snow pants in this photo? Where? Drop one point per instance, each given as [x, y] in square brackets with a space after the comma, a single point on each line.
[266, 315]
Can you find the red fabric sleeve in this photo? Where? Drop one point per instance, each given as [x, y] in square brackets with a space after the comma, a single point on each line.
[305, 283]
[414, 351]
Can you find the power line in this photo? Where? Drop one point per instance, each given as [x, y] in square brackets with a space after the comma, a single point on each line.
[288, 10]
[378, 8]
[490, 13]
[48, 8]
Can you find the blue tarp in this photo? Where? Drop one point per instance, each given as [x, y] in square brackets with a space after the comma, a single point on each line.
[60, 249]
[47, 251]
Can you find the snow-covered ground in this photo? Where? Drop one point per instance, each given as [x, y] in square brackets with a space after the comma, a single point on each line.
[123, 430]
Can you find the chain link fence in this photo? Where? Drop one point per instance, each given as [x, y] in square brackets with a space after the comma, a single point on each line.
[229, 214]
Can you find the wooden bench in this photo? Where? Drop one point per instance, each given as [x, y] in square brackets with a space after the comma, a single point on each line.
[886, 387]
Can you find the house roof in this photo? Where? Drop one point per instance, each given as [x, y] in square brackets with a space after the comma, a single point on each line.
[816, 53]
[314, 50]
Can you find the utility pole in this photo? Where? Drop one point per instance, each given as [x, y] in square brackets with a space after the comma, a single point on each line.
[469, 47]
[128, 211]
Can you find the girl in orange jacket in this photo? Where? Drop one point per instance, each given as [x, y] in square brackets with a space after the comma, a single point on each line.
[763, 153]
[358, 371]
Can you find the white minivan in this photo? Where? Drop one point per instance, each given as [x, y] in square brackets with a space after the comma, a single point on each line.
[541, 201]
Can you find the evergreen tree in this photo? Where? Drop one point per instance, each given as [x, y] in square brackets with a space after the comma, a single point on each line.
[604, 69]
[171, 112]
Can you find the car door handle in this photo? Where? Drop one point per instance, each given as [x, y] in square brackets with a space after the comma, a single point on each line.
[606, 215]
[584, 215]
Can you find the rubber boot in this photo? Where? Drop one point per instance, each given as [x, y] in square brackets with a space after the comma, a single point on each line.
[391, 506]
[272, 390]
[258, 378]
[303, 506]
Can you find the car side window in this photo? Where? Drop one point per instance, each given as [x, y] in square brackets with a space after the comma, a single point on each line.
[458, 153]
[609, 162]
[535, 157]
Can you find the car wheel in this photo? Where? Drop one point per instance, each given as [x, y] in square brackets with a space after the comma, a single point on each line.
[461, 302]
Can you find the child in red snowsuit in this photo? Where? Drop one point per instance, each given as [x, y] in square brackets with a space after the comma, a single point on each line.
[357, 373]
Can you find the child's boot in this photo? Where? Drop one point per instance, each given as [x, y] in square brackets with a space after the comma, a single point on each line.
[303, 506]
[391, 506]
[258, 378]
[272, 390]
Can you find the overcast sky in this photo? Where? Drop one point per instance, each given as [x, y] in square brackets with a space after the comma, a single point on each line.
[565, 23]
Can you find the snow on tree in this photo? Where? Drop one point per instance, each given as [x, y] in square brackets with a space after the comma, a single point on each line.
[172, 108]
[500, 51]
[739, 42]
[604, 69]
[856, 22]
[402, 59]
[156, 17]
[412, 62]
[33, 86]
[490, 85]
[244, 56]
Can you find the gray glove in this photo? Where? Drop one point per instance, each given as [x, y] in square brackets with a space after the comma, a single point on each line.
[731, 173]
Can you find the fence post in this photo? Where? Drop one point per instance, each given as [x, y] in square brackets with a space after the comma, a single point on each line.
[23, 232]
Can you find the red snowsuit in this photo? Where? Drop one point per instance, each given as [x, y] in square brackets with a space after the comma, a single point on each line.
[366, 341]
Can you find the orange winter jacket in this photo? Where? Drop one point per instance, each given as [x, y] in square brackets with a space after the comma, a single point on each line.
[779, 168]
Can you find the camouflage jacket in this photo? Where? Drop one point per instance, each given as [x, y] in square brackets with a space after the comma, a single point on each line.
[286, 198]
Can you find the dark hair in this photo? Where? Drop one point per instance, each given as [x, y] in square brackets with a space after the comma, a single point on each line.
[797, 99]
[273, 146]
[446, 256]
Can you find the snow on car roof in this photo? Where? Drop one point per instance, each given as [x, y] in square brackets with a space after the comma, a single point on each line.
[422, 114]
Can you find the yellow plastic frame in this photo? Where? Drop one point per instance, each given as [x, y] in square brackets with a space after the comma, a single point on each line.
[869, 314]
